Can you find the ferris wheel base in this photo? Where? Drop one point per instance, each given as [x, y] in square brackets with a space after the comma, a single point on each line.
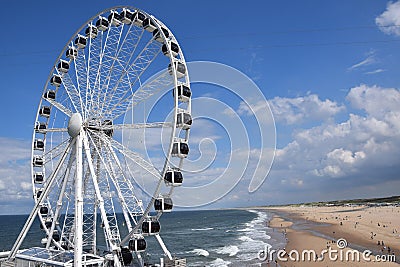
[37, 256]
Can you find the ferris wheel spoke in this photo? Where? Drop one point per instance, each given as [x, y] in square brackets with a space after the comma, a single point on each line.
[55, 130]
[137, 126]
[106, 64]
[81, 72]
[73, 93]
[56, 151]
[157, 83]
[144, 164]
[112, 240]
[131, 75]
[59, 203]
[131, 207]
[134, 206]
[60, 107]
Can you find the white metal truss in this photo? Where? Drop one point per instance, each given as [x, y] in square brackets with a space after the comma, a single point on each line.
[81, 177]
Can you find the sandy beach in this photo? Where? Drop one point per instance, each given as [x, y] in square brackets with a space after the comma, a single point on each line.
[358, 229]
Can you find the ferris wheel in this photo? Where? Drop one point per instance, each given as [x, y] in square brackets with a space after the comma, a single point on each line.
[82, 176]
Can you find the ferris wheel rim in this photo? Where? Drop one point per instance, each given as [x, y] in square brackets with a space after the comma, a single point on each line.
[159, 25]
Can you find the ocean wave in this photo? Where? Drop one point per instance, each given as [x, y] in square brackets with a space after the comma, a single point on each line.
[229, 250]
[203, 229]
[218, 262]
[200, 252]
[246, 239]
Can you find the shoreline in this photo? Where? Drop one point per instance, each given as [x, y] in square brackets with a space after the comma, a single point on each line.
[318, 228]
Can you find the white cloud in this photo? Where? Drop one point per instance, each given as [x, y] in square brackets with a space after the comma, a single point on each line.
[297, 110]
[389, 21]
[357, 147]
[375, 71]
[368, 61]
[376, 101]
[15, 177]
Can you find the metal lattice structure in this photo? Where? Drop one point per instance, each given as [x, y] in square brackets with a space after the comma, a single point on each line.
[80, 176]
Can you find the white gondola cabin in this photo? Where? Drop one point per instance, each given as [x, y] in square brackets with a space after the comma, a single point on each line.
[163, 204]
[180, 149]
[91, 31]
[174, 49]
[63, 66]
[38, 161]
[149, 25]
[180, 69]
[44, 210]
[38, 177]
[71, 52]
[158, 37]
[56, 80]
[102, 24]
[183, 120]
[114, 18]
[184, 92]
[44, 111]
[138, 244]
[40, 127]
[151, 227]
[38, 193]
[81, 41]
[126, 16]
[138, 18]
[47, 224]
[173, 177]
[38, 144]
[50, 94]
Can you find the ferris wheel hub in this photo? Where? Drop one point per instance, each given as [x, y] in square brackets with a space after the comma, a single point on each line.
[74, 125]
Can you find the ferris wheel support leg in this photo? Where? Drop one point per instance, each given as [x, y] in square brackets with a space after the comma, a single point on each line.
[78, 203]
[100, 199]
[35, 210]
[164, 248]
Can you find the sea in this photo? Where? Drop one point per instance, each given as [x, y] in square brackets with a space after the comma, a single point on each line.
[214, 238]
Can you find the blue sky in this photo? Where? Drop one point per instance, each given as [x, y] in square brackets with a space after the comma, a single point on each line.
[329, 70]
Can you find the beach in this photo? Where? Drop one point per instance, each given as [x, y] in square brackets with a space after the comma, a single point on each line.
[343, 235]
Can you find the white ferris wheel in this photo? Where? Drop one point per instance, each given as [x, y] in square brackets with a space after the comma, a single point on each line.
[80, 175]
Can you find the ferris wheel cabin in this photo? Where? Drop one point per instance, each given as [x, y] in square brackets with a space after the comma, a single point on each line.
[56, 80]
[44, 111]
[102, 24]
[81, 41]
[38, 144]
[137, 244]
[157, 36]
[50, 94]
[149, 25]
[180, 69]
[184, 92]
[138, 18]
[151, 227]
[114, 18]
[180, 149]
[173, 177]
[126, 16]
[91, 31]
[38, 177]
[163, 204]
[184, 120]
[174, 49]
[71, 53]
[38, 161]
[63, 66]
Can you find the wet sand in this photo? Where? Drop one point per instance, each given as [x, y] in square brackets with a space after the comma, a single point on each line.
[318, 228]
